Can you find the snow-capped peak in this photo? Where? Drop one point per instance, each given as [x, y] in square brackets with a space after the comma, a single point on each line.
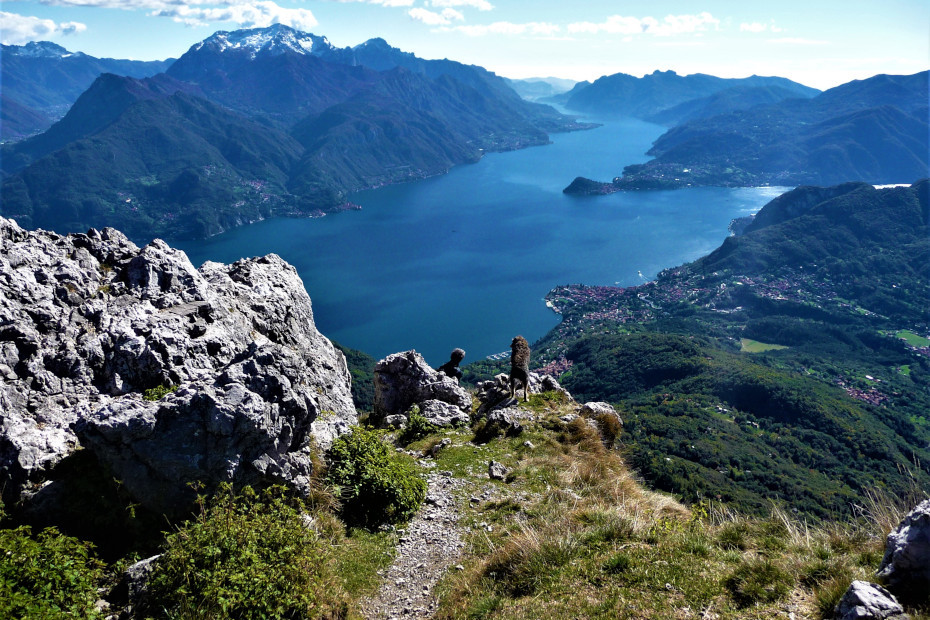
[275, 39]
[38, 49]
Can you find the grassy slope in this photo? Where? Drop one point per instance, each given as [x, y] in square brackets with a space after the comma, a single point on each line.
[570, 533]
[833, 274]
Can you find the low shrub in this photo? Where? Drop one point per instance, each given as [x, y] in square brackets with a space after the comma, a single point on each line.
[375, 484]
[417, 427]
[251, 556]
[158, 392]
[47, 576]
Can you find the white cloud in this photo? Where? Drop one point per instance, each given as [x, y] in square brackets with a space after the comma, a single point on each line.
[481, 5]
[671, 25]
[753, 27]
[759, 27]
[18, 29]
[248, 15]
[798, 41]
[393, 3]
[509, 28]
[202, 12]
[432, 18]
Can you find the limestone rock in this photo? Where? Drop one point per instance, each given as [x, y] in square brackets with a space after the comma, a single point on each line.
[443, 414]
[868, 601]
[405, 379]
[497, 471]
[595, 409]
[88, 322]
[136, 578]
[905, 568]
[495, 393]
[504, 421]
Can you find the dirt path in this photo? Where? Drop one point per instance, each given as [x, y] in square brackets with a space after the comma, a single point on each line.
[431, 544]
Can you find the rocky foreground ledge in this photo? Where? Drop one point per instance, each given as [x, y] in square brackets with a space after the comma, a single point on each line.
[90, 322]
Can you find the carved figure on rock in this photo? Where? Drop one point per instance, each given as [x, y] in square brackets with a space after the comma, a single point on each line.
[520, 365]
[451, 368]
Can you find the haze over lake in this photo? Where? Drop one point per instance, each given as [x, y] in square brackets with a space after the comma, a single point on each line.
[466, 259]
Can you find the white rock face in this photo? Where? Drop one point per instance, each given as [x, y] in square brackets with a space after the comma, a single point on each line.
[405, 379]
[88, 322]
[868, 601]
[906, 564]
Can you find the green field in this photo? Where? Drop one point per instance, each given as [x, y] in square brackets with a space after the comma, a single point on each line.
[913, 339]
[747, 345]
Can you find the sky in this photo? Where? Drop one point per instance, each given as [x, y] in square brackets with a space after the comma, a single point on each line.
[820, 43]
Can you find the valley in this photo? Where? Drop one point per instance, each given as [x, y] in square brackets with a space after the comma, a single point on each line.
[228, 280]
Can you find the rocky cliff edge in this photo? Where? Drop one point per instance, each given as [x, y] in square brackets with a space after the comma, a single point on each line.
[89, 322]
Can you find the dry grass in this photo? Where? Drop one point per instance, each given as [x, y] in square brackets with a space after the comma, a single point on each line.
[587, 539]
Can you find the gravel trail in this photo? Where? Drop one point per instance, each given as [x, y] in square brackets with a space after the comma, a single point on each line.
[430, 545]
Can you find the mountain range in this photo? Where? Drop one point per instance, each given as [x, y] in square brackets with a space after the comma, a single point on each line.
[652, 96]
[41, 80]
[873, 130]
[260, 122]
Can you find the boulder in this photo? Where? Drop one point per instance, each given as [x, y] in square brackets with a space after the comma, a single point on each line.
[594, 410]
[90, 322]
[442, 414]
[405, 379]
[504, 421]
[905, 567]
[868, 601]
[495, 393]
[497, 471]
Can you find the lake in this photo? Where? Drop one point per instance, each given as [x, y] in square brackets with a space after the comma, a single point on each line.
[466, 259]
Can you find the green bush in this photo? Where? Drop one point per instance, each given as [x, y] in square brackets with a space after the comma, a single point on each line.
[251, 556]
[417, 427]
[159, 392]
[47, 576]
[375, 484]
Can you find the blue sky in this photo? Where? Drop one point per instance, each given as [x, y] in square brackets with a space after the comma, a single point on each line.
[821, 43]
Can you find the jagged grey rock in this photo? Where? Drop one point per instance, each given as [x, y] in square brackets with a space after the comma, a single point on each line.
[136, 578]
[405, 379]
[505, 421]
[443, 414]
[595, 409]
[495, 393]
[395, 421]
[90, 321]
[497, 471]
[868, 601]
[905, 567]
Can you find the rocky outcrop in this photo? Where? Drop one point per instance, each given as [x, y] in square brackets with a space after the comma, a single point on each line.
[89, 322]
[905, 568]
[868, 601]
[442, 414]
[596, 409]
[495, 393]
[405, 379]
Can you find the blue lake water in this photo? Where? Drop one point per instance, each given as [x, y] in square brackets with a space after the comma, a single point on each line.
[466, 259]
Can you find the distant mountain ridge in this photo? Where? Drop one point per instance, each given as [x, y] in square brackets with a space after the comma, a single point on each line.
[260, 122]
[873, 130]
[621, 94]
[41, 80]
